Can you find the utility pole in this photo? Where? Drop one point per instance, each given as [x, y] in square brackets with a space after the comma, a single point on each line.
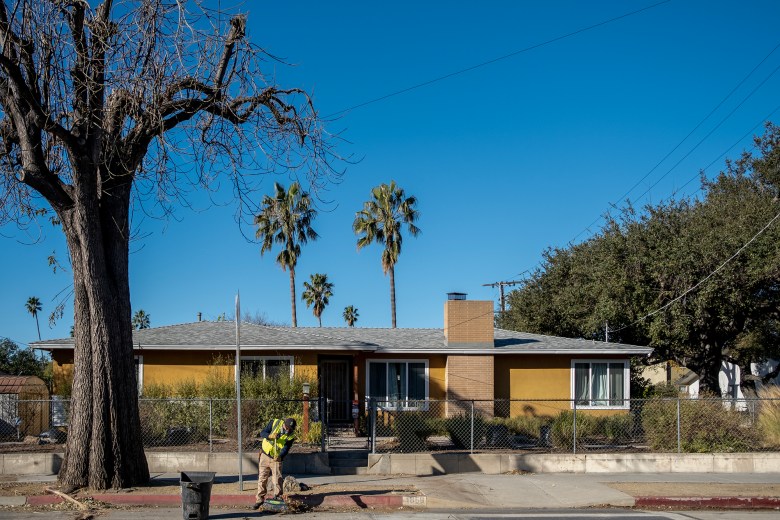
[500, 286]
[606, 332]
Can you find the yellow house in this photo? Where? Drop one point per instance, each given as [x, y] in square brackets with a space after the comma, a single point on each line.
[503, 372]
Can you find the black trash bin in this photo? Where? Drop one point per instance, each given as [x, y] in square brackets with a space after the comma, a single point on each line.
[196, 494]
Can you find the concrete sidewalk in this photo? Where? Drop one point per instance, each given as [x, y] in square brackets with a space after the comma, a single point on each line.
[465, 491]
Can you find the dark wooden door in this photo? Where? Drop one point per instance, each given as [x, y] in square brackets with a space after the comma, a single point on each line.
[335, 384]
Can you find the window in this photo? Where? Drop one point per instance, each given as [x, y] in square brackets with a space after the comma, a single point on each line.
[266, 366]
[398, 383]
[600, 384]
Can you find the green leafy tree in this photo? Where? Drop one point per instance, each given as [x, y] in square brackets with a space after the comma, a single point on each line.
[20, 362]
[141, 320]
[661, 276]
[380, 221]
[286, 219]
[350, 315]
[33, 306]
[317, 293]
[112, 109]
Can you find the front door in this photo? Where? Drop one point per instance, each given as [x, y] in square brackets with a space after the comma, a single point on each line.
[335, 384]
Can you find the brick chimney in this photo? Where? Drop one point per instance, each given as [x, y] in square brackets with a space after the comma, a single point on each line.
[468, 323]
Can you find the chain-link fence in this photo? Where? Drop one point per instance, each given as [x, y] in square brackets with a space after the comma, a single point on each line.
[546, 426]
[566, 426]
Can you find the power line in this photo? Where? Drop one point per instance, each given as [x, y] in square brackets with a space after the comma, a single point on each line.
[494, 60]
[698, 125]
[694, 287]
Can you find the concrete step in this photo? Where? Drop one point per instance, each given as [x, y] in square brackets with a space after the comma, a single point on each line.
[348, 454]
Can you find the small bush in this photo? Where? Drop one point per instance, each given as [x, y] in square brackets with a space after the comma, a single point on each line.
[769, 415]
[706, 426]
[616, 428]
[562, 428]
[459, 429]
[412, 429]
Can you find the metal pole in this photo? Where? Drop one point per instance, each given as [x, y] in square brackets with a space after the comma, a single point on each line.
[678, 426]
[211, 429]
[472, 426]
[606, 331]
[238, 394]
[372, 404]
[574, 430]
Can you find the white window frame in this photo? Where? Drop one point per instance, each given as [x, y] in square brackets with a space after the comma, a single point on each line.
[289, 360]
[626, 384]
[140, 359]
[422, 405]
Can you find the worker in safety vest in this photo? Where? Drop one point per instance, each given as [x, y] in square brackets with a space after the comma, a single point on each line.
[278, 437]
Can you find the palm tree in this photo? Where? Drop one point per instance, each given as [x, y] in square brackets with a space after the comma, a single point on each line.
[380, 221]
[350, 315]
[141, 320]
[286, 219]
[33, 306]
[317, 293]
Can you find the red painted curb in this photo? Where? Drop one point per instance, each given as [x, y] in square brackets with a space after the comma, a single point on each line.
[709, 502]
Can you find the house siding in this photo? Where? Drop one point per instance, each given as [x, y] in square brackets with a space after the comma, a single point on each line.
[534, 383]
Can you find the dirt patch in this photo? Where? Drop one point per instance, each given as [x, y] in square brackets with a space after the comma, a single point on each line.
[695, 489]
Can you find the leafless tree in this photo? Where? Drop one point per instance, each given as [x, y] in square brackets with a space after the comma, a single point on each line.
[124, 106]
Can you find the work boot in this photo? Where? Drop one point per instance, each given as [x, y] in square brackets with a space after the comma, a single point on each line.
[257, 505]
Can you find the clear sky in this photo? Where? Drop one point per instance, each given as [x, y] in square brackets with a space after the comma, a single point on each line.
[505, 159]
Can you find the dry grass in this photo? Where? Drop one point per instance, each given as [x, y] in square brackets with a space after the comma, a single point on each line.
[769, 415]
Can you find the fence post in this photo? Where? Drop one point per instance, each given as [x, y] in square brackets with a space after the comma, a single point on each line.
[372, 419]
[472, 426]
[211, 428]
[678, 425]
[323, 423]
[574, 430]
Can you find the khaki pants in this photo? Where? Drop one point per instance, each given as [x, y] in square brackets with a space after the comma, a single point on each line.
[266, 467]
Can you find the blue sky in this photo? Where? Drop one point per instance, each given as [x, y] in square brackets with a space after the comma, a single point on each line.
[505, 160]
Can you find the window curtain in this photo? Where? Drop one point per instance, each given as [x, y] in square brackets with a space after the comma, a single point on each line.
[396, 378]
[616, 384]
[581, 385]
[600, 385]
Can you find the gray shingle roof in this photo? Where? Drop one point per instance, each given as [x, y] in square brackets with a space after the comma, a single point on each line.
[220, 335]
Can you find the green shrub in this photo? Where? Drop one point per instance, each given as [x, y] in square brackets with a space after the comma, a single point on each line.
[562, 428]
[526, 425]
[459, 429]
[412, 429]
[769, 416]
[706, 426]
[616, 428]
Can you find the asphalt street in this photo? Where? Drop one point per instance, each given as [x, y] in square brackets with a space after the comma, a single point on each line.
[565, 514]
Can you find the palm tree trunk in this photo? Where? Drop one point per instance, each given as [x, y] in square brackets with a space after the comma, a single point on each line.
[292, 297]
[391, 270]
[319, 318]
[38, 326]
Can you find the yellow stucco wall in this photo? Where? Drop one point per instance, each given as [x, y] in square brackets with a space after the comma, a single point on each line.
[534, 382]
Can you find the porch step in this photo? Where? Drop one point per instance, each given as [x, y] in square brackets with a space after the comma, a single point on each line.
[341, 431]
[348, 471]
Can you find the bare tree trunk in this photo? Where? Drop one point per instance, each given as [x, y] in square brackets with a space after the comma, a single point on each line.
[391, 271]
[104, 448]
[709, 371]
[292, 297]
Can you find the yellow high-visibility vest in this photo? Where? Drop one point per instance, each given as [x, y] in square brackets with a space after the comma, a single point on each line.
[272, 447]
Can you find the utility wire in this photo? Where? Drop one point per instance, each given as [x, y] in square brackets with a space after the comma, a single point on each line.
[718, 158]
[494, 60]
[710, 132]
[694, 287]
[744, 79]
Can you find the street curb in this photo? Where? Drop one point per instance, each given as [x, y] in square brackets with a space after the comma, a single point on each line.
[708, 502]
[349, 500]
